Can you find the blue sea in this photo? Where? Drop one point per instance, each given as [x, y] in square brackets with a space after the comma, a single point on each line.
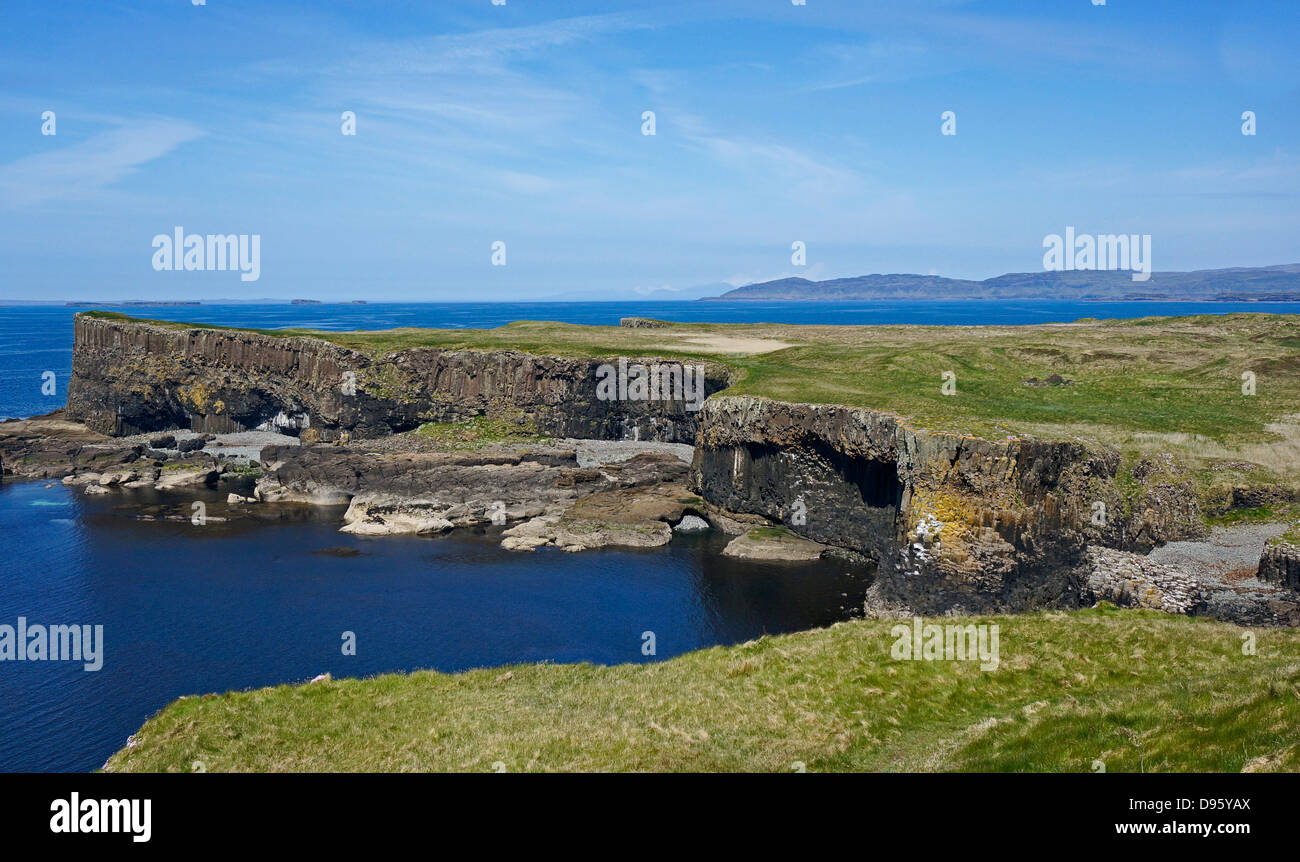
[36, 339]
[266, 599]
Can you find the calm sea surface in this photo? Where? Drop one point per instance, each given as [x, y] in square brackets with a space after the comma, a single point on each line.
[266, 599]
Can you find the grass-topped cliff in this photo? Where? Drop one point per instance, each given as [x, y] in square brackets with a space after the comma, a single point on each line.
[1145, 386]
[1135, 690]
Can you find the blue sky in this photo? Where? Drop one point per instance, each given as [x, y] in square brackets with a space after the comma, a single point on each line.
[522, 123]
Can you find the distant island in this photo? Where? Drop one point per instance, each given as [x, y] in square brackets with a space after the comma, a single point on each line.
[1237, 284]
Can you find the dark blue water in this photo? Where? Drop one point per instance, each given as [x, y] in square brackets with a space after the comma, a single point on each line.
[252, 602]
[190, 609]
[38, 339]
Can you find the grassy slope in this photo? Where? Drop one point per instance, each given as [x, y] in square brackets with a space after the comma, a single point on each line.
[1137, 690]
[1145, 386]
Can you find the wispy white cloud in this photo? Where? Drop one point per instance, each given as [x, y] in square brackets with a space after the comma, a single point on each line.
[86, 168]
[802, 171]
[473, 53]
[465, 103]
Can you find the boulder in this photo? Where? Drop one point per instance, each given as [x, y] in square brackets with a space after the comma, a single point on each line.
[119, 477]
[575, 534]
[185, 477]
[777, 544]
[690, 524]
[388, 515]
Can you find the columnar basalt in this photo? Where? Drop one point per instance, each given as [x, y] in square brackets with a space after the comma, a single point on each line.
[955, 522]
[131, 377]
[1280, 563]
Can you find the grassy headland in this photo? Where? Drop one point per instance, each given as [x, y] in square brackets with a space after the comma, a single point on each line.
[1135, 690]
[1146, 386]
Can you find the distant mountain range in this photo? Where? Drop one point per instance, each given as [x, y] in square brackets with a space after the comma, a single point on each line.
[1238, 284]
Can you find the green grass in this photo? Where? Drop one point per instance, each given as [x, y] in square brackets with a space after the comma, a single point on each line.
[1254, 515]
[1138, 691]
[1290, 537]
[479, 432]
[1174, 375]
[779, 532]
[1150, 385]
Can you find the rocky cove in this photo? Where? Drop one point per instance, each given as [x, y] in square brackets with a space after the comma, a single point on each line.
[952, 523]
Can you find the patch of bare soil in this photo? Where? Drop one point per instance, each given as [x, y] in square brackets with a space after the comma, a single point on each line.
[729, 344]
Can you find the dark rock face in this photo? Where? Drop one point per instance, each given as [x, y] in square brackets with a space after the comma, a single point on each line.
[131, 377]
[834, 498]
[329, 474]
[1280, 564]
[50, 447]
[1164, 508]
[954, 522]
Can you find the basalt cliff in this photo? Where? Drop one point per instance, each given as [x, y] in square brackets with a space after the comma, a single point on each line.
[953, 523]
[131, 377]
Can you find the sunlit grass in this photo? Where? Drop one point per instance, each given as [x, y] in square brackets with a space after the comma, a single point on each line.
[1164, 376]
[478, 432]
[1145, 386]
[1132, 690]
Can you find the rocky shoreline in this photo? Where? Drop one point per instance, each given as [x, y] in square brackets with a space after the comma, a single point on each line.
[1244, 597]
[573, 494]
[53, 447]
[578, 495]
[953, 524]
